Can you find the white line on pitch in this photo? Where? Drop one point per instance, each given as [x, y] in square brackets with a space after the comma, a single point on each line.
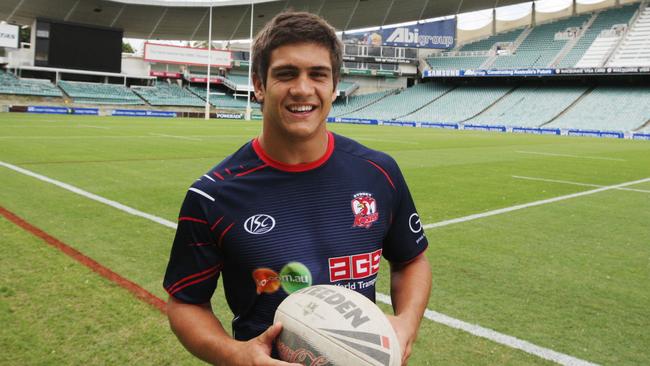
[532, 204]
[175, 137]
[92, 196]
[506, 340]
[429, 314]
[570, 156]
[577, 184]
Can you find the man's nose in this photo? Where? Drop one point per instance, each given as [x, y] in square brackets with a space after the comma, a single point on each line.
[302, 86]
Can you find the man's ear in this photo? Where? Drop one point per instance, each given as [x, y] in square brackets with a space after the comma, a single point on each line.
[334, 92]
[259, 88]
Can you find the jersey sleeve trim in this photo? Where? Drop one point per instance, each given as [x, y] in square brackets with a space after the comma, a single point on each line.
[194, 219]
[194, 279]
[384, 172]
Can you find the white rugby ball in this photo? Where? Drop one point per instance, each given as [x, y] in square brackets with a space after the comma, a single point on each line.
[332, 325]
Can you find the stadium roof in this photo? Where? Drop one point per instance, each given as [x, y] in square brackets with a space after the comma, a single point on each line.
[188, 20]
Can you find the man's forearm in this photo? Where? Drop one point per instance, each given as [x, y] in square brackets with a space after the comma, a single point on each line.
[410, 289]
[200, 331]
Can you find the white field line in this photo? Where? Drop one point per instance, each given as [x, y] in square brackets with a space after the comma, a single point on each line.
[532, 204]
[473, 329]
[506, 340]
[175, 137]
[577, 183]
[92, 196]
[570, 156]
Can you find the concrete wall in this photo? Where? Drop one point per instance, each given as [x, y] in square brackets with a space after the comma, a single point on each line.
[133, 65]
[373, 84]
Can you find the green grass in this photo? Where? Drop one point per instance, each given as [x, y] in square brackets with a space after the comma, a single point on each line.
[572, 276]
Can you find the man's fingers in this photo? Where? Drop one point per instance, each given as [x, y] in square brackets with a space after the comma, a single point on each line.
[270, 334]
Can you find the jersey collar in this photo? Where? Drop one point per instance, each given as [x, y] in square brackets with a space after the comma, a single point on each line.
[295, 168]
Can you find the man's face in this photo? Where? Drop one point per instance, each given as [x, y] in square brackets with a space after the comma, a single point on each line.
[299, 90]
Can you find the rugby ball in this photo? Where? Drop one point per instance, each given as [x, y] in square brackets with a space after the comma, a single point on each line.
[331, 325]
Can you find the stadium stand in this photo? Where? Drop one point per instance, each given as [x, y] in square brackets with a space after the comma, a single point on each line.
[530, 105]
[222, 100]
[455, 62]
[488, 43]
[459, 104]
[613, 108]
[168, 95]
[96, 93]
[604, 21]
[540, 47]
[238, 79]
[9, 84]
[403, 103]
[634, 50]
[346, 87]
[342, 106]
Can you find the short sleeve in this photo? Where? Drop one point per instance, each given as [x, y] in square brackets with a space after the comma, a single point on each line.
[195, 261]
[405, 238]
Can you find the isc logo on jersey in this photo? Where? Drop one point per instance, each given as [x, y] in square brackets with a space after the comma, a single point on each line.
[259, 224]
[364, 207]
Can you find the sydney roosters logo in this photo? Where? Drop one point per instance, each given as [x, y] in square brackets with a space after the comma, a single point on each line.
[364, 208]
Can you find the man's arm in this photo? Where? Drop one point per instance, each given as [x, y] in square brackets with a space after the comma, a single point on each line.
[203, 335]
[410, 286]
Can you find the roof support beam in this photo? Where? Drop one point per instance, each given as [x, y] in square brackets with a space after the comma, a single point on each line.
[241, 19]
[158, 23]
[67, 16]
[15, 10]
[356, 5]
[390, 7]
[196, 29]
[426, 3]
[119, 14]
[320, 8]
[460, 5]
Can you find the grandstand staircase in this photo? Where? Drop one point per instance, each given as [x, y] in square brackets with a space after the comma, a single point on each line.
[491, 105]
[643, 126]
[369, 104]
[426, 104]
[568, 108]
[634, 49]
[600, 50]
[571, 43]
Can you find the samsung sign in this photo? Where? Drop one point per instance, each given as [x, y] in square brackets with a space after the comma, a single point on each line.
[439, 34]
[9, 35]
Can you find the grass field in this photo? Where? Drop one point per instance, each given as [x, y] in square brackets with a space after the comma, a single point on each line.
[572, 276]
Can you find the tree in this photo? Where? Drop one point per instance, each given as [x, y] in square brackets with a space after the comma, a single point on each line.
[127, 48]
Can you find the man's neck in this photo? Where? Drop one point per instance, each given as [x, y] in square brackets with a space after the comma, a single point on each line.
[293, 151]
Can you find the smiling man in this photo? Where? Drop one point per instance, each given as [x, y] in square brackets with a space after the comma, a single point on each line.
[295, 207]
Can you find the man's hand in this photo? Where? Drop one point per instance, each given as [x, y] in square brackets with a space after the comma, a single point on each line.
[405, 335]
[257, 351]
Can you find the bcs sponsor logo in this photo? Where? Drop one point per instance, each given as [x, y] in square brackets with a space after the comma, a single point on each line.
[354, 266]
[259, 224]
[364, 207]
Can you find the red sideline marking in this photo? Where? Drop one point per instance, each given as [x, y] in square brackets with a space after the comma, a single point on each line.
[138, 291]
[383, 171]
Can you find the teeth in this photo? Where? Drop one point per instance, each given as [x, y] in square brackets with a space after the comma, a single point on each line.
[301, 108]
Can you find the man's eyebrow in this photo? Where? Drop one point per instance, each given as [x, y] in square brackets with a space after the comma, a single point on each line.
[293, 67]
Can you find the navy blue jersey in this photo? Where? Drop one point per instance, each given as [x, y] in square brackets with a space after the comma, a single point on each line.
[270, 229]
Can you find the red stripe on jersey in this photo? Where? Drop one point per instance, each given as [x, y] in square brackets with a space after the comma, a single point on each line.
[217, 175]
[252, 170]
[201, 279]
[384, 172]
[187, 218]
[224, 234]
[199, 244]
[228, 171]
[214, 226]
[295, 168]
[209, 272]
[385, 342]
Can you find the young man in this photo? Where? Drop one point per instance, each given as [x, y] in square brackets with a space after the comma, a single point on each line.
[296, 206]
